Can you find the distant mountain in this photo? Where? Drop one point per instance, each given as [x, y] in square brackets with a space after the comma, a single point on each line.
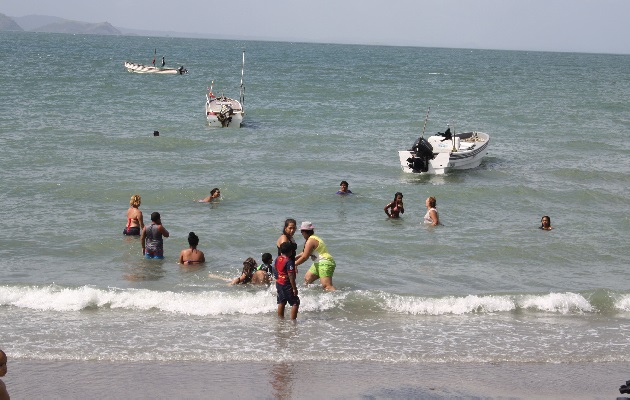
[44, 23]
[8, 24]
[47, 23]
[31, 22]
[66, 26]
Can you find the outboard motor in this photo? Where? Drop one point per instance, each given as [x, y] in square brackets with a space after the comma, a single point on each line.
[422, 152]
[224, 115]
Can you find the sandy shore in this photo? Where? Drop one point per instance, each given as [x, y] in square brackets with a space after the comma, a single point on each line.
[312, 380]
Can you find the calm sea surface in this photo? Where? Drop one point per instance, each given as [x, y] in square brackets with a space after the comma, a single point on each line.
[76, 140]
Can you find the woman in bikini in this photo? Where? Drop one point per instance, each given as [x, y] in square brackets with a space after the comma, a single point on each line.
[135, 221]
[395, 208]
[287, 236]
[192, 255]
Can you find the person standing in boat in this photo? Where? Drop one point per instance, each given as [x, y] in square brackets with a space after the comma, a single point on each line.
[396, 207]
[163, 63]
[323, 266]
[135, 220]
[431, 217]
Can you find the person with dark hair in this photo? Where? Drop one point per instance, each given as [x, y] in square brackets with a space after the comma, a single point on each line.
[285, 281]
[324, 265]
[287, 236]
[135, 220]
[249, 267]
[545, 223]
[151, 238]
[3, 371]
[396, 207]
[214, 194]
[264, 271]
[431, 217]
[343, 188]
[191, 255]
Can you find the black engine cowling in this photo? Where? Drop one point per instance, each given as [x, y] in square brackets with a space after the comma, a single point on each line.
[422, 152]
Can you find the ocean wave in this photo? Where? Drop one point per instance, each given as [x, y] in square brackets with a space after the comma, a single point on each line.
[56, 298]
[562, 303]
[313, 299]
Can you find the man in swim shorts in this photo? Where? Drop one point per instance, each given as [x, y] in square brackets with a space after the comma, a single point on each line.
[151, 238]
[324, 266]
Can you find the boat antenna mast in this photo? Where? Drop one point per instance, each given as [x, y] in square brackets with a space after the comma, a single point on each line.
[454, 150]
[242, 94]
[425, 122]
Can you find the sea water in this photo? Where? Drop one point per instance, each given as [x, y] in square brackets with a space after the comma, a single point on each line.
[76, 139]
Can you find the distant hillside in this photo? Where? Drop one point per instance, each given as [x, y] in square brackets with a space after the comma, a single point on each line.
[66, 26]
[47, 23]
[31, 22]
[9, 24]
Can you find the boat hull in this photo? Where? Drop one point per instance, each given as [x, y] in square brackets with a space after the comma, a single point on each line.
[147, 69]
[470, 154]
[224, 113]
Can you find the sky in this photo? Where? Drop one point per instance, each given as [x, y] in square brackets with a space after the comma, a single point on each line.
[586, 26]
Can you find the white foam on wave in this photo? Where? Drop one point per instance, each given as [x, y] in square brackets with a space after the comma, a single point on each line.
[449, 305]
[623, 303]
[55, 298]
[554, 302]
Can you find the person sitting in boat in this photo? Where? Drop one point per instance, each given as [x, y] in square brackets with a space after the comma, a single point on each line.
[447, 134]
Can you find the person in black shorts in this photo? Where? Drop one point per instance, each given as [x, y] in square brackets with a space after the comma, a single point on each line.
[285, 281]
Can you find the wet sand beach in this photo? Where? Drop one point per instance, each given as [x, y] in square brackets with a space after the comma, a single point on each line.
[313, 380]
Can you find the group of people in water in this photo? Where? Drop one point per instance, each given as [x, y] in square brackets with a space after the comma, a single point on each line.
[284, 270]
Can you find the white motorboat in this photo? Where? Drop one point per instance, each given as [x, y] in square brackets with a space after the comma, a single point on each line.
[224, 111]
[148, 69]
[445, 151]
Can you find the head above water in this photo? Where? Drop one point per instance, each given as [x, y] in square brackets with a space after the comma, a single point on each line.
[193, 240]
[215, 192]
[155, 216]
[431, 202]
